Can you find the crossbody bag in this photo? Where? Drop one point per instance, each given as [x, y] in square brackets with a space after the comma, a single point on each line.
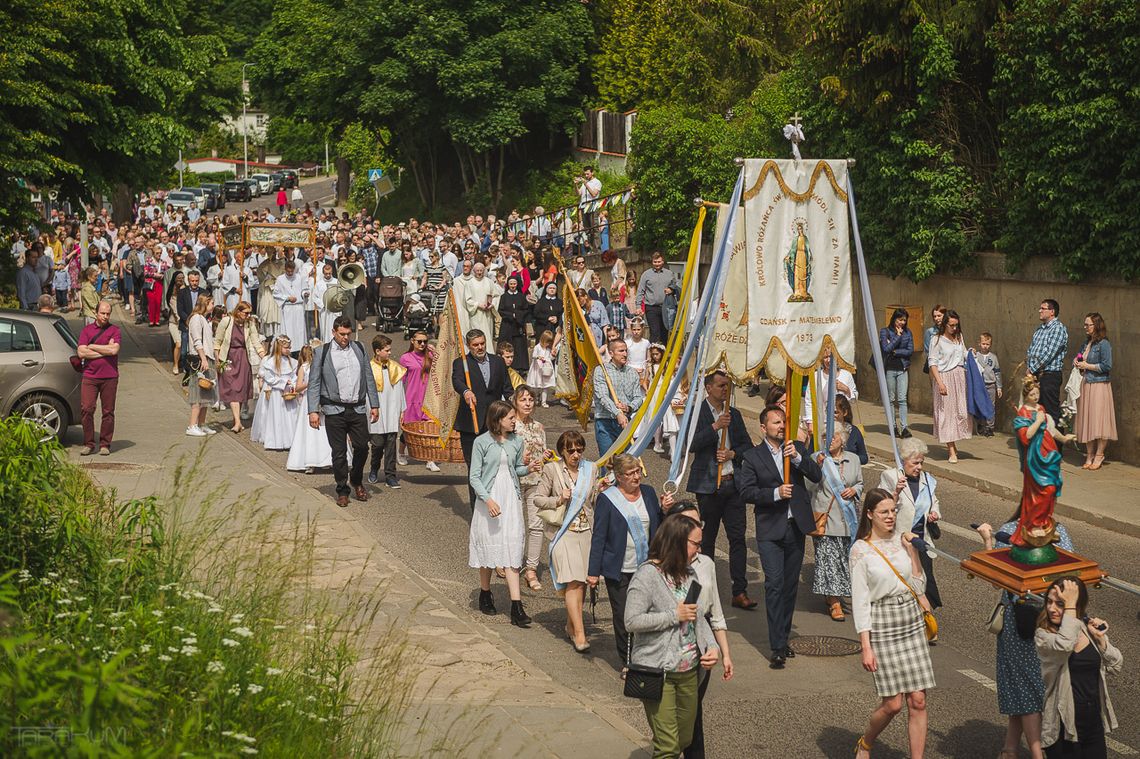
[928, 620]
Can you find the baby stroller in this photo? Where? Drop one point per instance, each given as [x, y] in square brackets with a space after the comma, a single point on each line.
[391, 304]
[417, 317]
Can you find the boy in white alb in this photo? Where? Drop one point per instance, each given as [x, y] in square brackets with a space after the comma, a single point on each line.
[638, 347]
[388, 375]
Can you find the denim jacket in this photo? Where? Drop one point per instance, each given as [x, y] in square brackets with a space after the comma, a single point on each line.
[1099, 355]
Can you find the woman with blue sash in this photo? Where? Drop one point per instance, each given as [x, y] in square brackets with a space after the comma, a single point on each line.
[837, 498]
[564, 499]
[625, 518]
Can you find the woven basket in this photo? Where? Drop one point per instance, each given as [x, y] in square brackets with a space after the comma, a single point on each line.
[289, 396]
[205, 382]
[423, 443]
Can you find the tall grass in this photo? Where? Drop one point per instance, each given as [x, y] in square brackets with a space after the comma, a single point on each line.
[181, 626]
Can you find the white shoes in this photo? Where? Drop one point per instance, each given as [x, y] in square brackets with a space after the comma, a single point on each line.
[658, 449]
[432, 466]
[209, 430]
[196, 432]
[401, 459]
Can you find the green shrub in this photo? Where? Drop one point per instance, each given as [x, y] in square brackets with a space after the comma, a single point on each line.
[186, 624]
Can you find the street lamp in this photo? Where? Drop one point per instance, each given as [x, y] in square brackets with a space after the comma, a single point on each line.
[244, 125]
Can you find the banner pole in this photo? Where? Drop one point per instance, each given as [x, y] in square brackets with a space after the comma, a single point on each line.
[788, 422]
[463, 350]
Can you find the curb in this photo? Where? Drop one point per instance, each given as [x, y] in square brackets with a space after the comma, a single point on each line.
[1013, 495]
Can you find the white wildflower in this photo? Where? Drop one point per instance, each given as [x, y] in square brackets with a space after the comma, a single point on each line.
[40, 650]
[168, 586]
[164, 657]
[53, 575]
[310, 627]
[253, 688]
[214, 610]
[124, 598]
[116, 614]
[157, 613]
[234, 690]
[248, 750]
[278, 627]
[23, 575]
[310, 698]
[236, 619]
[273, 671]
[63, 615]
[190, 641]
[214, 668]
[45, 581]
[116, 561]
[63, 601]
[80, 599]
[172, 649]
[228, 643]
[116, 628]
[189, 650]
[144, 648]
[244, 632]
[285, 704]
[178, 629]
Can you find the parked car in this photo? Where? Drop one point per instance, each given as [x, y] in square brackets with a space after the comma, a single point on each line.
[219, 194]
[276, 180]
[264, 181]
[239, 190]
[254, 187]
[181, 199]
[199, 196]
[37, 380]
[291, 178]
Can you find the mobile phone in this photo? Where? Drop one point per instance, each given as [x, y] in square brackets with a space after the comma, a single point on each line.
[694, 592]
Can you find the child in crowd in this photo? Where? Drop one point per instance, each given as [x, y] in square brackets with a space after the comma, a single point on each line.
[506, 351]
[389, 376]
[637, 348]
[855, 442]
[541, 374]
[275, 418]
[611, 333]
[310, 449]
[991, 376]
[617, 311]
[61, 283]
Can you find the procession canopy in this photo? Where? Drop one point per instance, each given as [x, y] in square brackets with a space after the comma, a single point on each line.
[793, 254]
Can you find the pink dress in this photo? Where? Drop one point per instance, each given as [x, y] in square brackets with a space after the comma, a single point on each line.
[415, 385]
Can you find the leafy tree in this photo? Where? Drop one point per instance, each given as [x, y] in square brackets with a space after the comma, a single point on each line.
[297, 141]
[1067, 80]
[97, 95]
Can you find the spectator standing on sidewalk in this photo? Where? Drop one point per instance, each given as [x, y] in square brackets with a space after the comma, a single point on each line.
[1046, 355]
[897, 344]
[947, 359]
[1096, 415]
[991, 376]
[654, 286]
[28, 282]
[99, 348]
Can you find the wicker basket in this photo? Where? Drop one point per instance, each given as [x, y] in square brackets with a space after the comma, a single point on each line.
[423, 443]
[289, 396]
[205, 382]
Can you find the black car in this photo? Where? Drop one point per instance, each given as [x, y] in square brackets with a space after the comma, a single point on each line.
[277, 181]
[219, 194]
[238, 189]
[291, 178]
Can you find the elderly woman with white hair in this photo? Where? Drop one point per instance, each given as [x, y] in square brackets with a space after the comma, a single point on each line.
[835, 502]
[917, 500]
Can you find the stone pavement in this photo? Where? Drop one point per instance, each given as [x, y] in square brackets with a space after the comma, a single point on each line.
[1108, 498]
[473, 694]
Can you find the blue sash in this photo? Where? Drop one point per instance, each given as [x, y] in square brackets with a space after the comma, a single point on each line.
[923, 501]
[835, 484]
[636, 528]
[578, 496]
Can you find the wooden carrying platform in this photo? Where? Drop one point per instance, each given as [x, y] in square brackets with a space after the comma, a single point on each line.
[997, 568]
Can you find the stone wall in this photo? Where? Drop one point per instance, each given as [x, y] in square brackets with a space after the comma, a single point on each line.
[992, 300]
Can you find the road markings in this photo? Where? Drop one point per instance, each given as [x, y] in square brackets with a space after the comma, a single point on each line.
[1113, 745]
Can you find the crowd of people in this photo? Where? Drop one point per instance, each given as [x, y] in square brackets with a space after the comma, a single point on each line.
[258, 340]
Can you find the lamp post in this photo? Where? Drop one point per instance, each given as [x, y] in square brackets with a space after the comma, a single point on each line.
[244, 125]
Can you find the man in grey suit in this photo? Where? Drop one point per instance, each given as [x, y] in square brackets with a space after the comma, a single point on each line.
[341, 387]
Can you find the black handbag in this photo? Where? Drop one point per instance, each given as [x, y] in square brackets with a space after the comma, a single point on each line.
[1025, 614]
[644, 684]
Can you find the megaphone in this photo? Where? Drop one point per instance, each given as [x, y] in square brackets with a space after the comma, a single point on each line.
[351, 276]
[336, 298]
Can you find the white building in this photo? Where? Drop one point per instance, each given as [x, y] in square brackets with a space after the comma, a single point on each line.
[256, 122]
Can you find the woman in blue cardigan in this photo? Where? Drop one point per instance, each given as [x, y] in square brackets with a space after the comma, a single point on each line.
[497, 529]
[897, 345]
[1096, 412]
[625, 518]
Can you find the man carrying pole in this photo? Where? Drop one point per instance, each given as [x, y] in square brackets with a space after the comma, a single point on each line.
[479, 377]
[617, 394]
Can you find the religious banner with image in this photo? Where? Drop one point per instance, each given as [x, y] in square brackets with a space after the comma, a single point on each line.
[798, 262]
[728, 349]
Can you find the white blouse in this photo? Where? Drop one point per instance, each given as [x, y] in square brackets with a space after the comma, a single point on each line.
[945, 354]
[872, 580]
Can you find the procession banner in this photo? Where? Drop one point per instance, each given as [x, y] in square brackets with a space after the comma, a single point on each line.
[727, 350]
[441, 402]
[798, 263]
[575, 373]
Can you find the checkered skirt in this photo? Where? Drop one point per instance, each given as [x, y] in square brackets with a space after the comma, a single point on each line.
[898, 639]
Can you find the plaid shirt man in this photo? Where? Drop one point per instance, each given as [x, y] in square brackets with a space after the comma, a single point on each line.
[371, 260]
[627, 385]
[1047, 348]
[618, 313]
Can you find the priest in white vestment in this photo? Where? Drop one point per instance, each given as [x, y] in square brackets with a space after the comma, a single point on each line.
[291, 292]
[479, 296]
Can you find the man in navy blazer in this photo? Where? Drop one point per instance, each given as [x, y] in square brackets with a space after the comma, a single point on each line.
[722, 503]
[489, 382]
[783, 518]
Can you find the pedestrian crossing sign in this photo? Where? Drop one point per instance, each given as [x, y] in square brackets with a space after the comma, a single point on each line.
[375, 174]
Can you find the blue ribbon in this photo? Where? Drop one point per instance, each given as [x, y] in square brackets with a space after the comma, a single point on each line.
[636, 528]
[586, 474]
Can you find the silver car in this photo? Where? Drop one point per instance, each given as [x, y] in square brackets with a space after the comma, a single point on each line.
[199, 196]
[264, 181]
[181, 199]
[37, 380]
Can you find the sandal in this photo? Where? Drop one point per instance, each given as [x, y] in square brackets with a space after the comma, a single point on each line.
[532, 581]
[1096, 463]
[862, 745]
[500, 573]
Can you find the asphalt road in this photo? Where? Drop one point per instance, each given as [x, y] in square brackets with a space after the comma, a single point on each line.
[315, 190]
[818, 706]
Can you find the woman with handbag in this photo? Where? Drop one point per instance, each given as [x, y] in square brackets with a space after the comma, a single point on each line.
[1075, 656]
[533, 436]
[564, 499]
[893, 619]
[203, 388]
[671, 640]
[835, 503]
[1020, 688]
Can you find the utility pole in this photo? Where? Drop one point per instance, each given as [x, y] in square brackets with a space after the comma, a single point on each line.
[244, 125]
[181, 166]
[326, 158]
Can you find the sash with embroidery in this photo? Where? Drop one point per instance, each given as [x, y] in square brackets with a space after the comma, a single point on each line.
[835, 484]
[578, 496]
[636, 528]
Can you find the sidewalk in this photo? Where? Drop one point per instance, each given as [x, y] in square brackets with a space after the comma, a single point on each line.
[473, 694]
[1106, 498]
